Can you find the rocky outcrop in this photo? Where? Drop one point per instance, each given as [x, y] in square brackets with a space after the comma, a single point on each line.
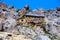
[10, 28]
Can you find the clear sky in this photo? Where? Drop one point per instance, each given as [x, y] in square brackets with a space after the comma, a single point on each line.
[47, 4]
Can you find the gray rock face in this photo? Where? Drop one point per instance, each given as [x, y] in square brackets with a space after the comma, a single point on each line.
[9, 22]
[0, 24]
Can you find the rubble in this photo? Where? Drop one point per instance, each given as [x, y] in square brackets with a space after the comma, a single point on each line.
[10, 36]
[26, 24]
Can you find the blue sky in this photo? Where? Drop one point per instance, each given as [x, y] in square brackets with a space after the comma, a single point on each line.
[46, 4]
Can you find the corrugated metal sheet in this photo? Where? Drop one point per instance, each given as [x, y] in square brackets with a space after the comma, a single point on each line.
[34, 14]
